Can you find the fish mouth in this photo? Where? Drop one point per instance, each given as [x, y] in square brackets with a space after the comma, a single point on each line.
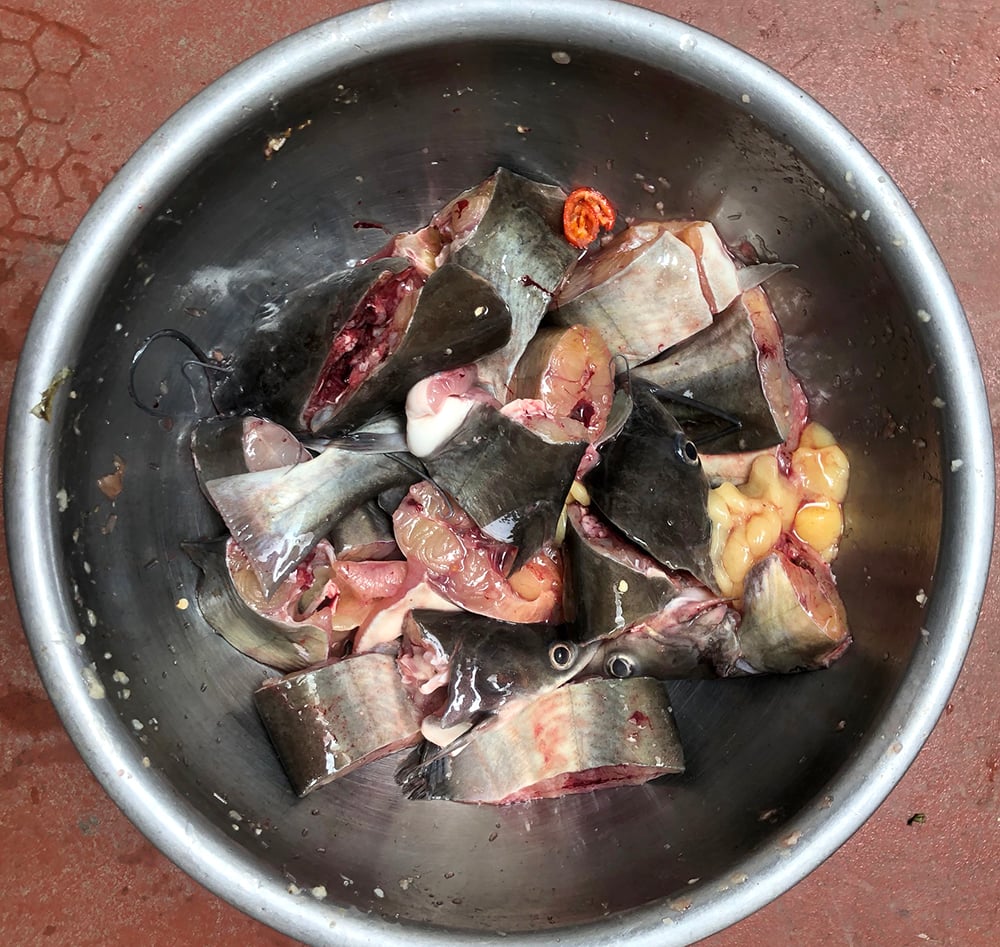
[366, 340]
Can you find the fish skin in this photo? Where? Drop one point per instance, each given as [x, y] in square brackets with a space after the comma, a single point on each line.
[510, 480]
[327, 721]
[275, 369]
[458, 318]
[736, 365]
[519, 247]
[610, 585]
[490, 662]
[793, 617]
[657, 496]
[641, 291]
[277, 516]
[364, 534]
[583, 736]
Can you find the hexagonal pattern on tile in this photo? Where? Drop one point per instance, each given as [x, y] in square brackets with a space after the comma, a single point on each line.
[41, 174]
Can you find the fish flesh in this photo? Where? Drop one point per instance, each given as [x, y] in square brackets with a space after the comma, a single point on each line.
[472, 569]
[508, 229]
[490, 663]
[650, 485]
[569, 370]
[308, 618]
[590, 735]
[737, 365]
[226, 446]
[329, 356]
[793, 617]
[641, 292]
[330, 720]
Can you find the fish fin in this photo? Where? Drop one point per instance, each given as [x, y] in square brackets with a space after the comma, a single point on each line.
[750, 277]
[366, 442]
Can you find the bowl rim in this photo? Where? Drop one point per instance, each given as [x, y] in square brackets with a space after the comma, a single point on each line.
[68, 304]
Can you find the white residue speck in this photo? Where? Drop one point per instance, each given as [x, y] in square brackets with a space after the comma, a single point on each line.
[235, 816]
[956, 464]
[379, 893]
[92, 618]
[921, 597]
[347, 881]
[224, 801]
[107, 655]
[405, 883]
[849, 176]
[136, 725]
[898, 241]
[120, 677]
[62, 499]
[791, 839]
[937, 402]
[182, 604]
[865, 214]
[561, 57]
[95, 689]
[81, 638]
[479, 311]
[622, 586]
[924, 633]
[923, 315]
[745, 98]
[145, 762]
[125, 693]
[293, 888]
[318, 892]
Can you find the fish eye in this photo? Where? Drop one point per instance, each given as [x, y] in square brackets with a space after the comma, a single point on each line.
[686, 450]
[562, 654]
[619, 665]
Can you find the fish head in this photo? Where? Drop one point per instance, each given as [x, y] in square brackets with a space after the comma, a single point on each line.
[511, 663]
[701, 646]
[650, 485]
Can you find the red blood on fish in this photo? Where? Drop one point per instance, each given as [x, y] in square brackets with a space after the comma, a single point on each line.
[368, 337]
[639, 719]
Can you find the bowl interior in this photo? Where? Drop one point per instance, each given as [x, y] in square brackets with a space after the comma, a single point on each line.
[390, 145]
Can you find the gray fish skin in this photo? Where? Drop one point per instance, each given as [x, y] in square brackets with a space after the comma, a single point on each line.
[793, 617]
[609, 584]
[286, 646]
[458, 318]
[511, 480]
[365, 534]
[519, 247]
[328, 721]
[277, 516]
[642, 292]
[651, 486]
[277, 366]
[738, 366]
[490, 662]
[675, 645]
[590, 735]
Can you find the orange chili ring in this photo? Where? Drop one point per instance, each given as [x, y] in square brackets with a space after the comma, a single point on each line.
[585, 212]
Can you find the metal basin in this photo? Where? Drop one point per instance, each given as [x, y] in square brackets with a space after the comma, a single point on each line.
[382, 115]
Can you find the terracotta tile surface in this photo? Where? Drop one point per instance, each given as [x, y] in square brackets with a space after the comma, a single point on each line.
[84, 82]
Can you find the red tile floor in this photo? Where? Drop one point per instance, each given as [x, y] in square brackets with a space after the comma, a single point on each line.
[84, 82]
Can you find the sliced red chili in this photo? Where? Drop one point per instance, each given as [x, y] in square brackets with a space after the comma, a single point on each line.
[585, 213]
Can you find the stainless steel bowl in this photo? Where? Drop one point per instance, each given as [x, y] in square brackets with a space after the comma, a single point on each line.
[382, 115]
